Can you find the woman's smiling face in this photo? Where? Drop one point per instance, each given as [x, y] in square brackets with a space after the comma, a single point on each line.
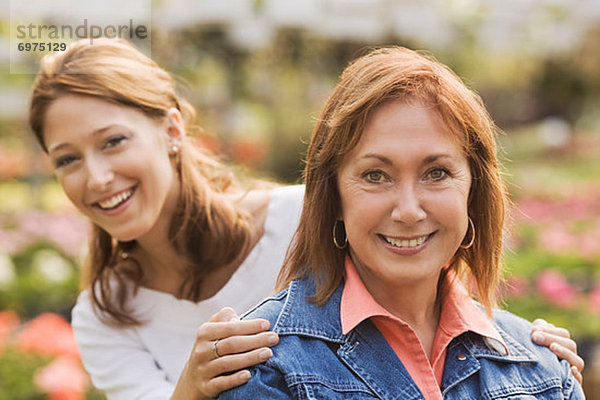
[113, 164]
[404, 192]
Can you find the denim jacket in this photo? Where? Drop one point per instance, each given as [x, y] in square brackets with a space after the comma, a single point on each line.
[314, 360]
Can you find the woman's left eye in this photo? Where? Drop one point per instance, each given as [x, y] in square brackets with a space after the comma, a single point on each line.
[437, 174]
[114, 141]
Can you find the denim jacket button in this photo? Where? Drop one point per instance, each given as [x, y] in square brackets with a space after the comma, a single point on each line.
[461, 357]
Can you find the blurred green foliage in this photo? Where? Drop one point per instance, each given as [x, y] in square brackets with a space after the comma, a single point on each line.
[34, 291]
[16, 375]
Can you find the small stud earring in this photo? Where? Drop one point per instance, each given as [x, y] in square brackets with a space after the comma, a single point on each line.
[174, 149]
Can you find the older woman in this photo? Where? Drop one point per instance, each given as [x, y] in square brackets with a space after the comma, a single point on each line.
[404, 205]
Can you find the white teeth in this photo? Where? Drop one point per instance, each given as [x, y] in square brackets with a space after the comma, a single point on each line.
[406, 243]
[115, 200]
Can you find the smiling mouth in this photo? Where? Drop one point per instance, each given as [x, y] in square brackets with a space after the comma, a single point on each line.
[406, 243]
[116, 200]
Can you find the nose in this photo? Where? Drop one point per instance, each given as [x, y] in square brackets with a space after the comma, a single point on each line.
[408, 205]
[99, 173]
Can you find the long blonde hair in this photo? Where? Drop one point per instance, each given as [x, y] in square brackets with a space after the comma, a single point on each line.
[207, 231]
[397, 73]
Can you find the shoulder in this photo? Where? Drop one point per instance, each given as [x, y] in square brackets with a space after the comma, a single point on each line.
[88, 322]
[274, 203]
[117, 359]
[84, 313]
[516, 332]
[270, 308]
[83, 309]
[286, 197]
[519, 327]
[283, 195]
[87, 316]
[283, 216]
[267, 379]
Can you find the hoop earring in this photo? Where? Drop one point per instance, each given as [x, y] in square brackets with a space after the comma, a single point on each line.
[470, 244]
[335, 236]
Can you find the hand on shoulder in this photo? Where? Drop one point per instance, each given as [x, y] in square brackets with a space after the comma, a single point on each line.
[223, 345]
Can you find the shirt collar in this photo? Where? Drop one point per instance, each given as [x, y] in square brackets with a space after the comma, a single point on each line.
[459, 312]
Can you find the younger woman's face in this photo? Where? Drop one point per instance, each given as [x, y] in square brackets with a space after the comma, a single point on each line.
[113, 163]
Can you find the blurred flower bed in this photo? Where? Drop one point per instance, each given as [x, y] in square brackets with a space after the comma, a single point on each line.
[554, 262]
[41, 253]
[553, 243]
[40, 257]
[39, 359]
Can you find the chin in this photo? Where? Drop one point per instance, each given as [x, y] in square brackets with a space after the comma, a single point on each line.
[122, 236]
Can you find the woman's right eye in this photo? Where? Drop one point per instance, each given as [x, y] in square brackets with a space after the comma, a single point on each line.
[374, 176]
[65, 161]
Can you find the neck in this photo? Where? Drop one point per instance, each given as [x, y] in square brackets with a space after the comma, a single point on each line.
[418, 306]
[414, 302]
[163, 265]
[162, 269]
[157, 257]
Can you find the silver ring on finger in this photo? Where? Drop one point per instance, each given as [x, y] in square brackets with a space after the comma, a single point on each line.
[214, 348]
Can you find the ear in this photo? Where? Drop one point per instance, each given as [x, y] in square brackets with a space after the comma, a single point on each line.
[175, 126]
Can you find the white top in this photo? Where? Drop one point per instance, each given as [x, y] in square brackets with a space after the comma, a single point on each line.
[145, 362]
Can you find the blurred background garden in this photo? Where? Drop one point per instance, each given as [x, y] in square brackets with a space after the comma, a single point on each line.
[259, 72]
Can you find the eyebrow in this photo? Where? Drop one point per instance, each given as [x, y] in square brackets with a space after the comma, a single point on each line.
[94, 133]
[379, 157]
[427, 160]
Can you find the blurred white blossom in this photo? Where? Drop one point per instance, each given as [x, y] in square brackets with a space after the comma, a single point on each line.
[51, 266]
[7, 270]
[554, 132]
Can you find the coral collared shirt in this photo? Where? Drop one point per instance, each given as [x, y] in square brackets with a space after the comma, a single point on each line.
[458, 315]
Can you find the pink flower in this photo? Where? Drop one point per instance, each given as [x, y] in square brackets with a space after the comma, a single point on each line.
[580, 207]
[589, 245]
[48, 334]
[557, 239]
[68, 230]
[63, 379]
[532, 209]
[555, 288]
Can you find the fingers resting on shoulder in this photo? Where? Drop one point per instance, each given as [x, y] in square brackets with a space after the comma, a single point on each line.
[559, 341]
[225, 345]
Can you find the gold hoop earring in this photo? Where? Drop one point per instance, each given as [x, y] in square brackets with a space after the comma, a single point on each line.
[470, 244]
[335, 236]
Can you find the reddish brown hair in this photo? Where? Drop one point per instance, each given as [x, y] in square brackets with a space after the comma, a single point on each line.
[381, 75]
[208, 231]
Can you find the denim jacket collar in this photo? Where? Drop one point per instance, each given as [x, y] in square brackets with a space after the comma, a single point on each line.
[356, 349]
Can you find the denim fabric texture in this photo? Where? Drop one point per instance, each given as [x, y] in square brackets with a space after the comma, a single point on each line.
[314, 360]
